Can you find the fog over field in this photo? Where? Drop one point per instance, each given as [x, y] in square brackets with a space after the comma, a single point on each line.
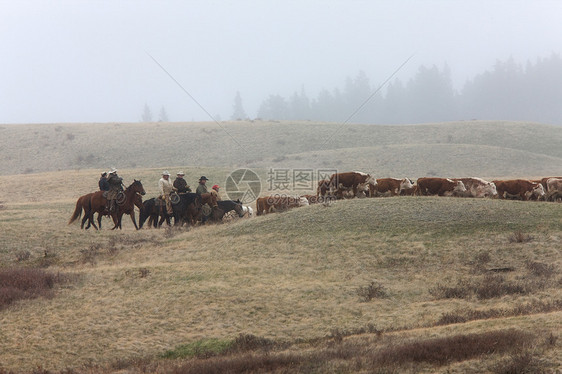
[103, 61]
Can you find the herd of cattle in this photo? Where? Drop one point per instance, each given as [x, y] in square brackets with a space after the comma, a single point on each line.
[189, 207]
[357, 184]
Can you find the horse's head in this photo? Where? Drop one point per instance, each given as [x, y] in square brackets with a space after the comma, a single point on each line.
[137, 187]
[238, 208]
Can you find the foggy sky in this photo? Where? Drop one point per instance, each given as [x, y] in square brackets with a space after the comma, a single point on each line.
[87, 61]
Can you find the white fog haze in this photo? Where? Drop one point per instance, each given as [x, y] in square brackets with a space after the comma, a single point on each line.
[89, 61]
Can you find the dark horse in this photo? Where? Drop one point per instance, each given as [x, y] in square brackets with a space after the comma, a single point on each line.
[98, 204]
[186, 210]
[226, 206]
[155, 212]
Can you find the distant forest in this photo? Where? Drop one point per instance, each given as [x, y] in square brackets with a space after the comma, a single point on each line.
[510, 91]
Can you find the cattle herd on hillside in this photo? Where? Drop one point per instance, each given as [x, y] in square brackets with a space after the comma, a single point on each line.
[189, 208]
[356, 184]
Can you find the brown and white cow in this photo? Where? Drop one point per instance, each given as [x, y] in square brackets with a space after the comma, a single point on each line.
[554, 189]
[478, 187]
[440, 187]
[278, 203]
[412, 191]
[543, 182]
[323, 187]
[389, 186]
[354, 180]
[522, 189]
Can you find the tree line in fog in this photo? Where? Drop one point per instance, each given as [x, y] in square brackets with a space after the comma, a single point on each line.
[509, 91]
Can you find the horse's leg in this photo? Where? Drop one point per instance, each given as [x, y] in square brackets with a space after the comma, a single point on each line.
[84, 219]
[119, 215]
[100, 216]
[91, 218]
[115, 220]
[134, 220]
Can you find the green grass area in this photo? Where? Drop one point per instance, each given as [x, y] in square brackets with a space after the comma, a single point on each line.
[206, 347]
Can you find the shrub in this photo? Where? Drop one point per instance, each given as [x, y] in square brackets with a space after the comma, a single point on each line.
[465, 315]
[249, 342]
[488, 287]
[372, 291]
[454, 348]
[22, 255]
[540, 269]
[518, 363]
[23, 283]
[520, 237]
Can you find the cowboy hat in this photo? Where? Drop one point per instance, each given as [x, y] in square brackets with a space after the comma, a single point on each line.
[203, 178]
[166, 172]
[181, 173]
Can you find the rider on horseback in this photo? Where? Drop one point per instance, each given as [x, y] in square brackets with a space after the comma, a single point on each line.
[202, 188]
[115, 186]
[180, 184]
[103, 183]
[215, 191]
[166, 187]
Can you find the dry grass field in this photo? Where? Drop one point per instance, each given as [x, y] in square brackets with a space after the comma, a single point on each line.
[454, 149]
[404, 284]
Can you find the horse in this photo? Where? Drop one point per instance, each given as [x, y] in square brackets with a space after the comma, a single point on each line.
[187, 209]
[130, 210]
[211, 200]
[153, 212]
[248, 210]
[98, 204]
[227, 206]
[83, 204]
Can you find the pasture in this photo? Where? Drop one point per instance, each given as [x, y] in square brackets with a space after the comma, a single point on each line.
[304, 280]
[400, 284]
[458, 149]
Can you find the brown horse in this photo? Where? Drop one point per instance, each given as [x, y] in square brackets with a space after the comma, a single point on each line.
[83, 203]
[98, 204]
[130, 210]
[211, 199]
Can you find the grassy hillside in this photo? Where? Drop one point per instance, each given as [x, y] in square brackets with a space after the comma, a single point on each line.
[507, 149]
[359, 276]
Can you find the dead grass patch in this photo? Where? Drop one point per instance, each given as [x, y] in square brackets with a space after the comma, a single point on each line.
[439, 351]
[26, 283]
[352, 356]
[495, 285]
[465, 315]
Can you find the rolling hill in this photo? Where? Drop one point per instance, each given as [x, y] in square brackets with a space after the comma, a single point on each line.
[304, 280]
[491, 149]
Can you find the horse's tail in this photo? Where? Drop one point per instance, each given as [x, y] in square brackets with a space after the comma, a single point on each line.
[77, 212]
[145, 212]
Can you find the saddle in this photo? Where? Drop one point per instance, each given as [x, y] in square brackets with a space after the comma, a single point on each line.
[206, 210]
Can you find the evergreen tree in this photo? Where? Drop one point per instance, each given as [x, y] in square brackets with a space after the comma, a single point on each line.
[238, 109]
[299, 106]
[163, 116]
[146, 114]
[274, 107]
